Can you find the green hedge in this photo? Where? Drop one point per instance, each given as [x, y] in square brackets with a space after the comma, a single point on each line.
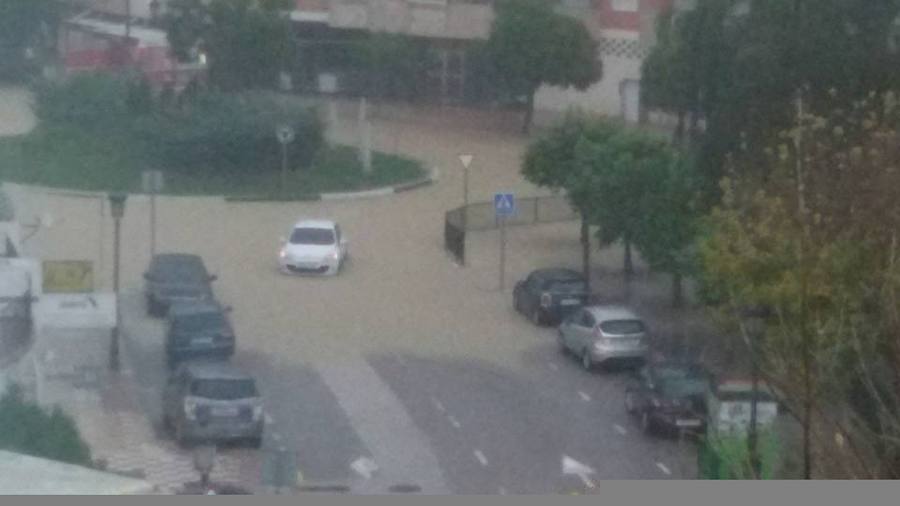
[198, 131]
[29, 429]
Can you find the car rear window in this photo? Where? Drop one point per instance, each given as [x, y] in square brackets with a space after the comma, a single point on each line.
[568, 286]
[622, 326]
[224, 389]
[317, 236]
[211, 321]
[683, 387]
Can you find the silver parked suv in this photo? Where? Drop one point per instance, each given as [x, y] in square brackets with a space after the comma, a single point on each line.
[212, 401]
[598, 334]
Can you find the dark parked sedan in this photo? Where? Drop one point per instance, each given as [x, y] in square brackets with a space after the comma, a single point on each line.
[174, 277]
[669, 396]
[198, 330]
[549, 295]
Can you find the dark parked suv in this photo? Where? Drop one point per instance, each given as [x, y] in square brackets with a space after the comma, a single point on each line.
[205, 401]
[549, 295]
[669, 395]
[197, 330]
[174, 277]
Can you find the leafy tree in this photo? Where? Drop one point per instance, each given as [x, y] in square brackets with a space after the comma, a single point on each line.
[530, 44]
[813, 235]
[739, 65]
[248, 42]
[24, 24]
[550, 161]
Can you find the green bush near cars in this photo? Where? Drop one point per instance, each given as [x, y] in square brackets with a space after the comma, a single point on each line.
[29, 429]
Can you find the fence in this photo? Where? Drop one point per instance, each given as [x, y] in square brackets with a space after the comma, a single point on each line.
[481, 216]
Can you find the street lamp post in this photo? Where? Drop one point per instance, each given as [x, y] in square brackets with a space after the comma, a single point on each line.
[755, 325]
[117, 210]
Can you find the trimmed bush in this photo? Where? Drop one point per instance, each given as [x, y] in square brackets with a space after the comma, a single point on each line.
[87, 100]
[27, 428]
[229, 131]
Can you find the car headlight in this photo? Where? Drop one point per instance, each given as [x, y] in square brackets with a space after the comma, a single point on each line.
[257, 412]
[190, 409]
[282, 253]
[335, 255]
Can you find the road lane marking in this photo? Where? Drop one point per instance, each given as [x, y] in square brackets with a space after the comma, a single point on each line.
[585, 397]
[554, 366]
[269, 420]
[662, 467]
[437, 405]
[621, 430]
[502, 491]
[453, 421]
[481, 458]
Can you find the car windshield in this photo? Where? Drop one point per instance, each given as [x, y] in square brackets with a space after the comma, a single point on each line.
[568, 286]
[206, 322]
[622, 327]
[681, 381]
[224, 389]
[315, 236]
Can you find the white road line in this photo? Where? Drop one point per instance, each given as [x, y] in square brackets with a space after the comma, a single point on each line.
[502, 491]
[453, 421]
[481, 458]
[585, 397]
[437, 405]
[621, 430]
[554, 366]
[662, 467]
[269, 420]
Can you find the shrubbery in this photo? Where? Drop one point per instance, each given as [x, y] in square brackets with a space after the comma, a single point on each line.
[29, 429]
[199, 131]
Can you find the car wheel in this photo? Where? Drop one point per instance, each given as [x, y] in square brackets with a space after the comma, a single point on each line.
[646, 424]
[516, 303]
[629, 403]
[536, 317]
[586, 362]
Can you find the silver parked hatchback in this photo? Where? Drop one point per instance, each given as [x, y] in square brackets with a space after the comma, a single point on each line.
[212, 401]
[598, 334]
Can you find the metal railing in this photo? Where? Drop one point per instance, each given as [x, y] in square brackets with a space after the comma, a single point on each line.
[481, 216]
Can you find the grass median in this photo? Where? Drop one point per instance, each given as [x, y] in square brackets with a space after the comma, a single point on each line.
[64, 156]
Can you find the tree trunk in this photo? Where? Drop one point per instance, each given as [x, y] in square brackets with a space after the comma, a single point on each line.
[677, 290]
[694, 128]
[529, 113]
[629, 265]
[586, 252]
[678, 137]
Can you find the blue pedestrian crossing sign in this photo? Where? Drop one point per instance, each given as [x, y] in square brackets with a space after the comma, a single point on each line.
[504, 205]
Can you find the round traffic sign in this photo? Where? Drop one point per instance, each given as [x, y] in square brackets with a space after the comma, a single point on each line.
[285, 134]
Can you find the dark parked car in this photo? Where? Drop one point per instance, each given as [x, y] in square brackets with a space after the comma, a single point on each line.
[174, 277]
[212, 401]
[198, 330]
[549, 295]
[670, 396]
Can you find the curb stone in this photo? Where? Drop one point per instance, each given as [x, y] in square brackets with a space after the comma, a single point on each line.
[431, 178]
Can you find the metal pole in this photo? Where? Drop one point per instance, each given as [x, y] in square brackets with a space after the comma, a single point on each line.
[114, 343]
[152, 224]
[752, 437]
[283, 165]
[465, 186]
[128, 19]
[502, 251]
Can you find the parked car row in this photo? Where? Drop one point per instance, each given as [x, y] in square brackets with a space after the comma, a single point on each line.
[205, 397]
[664, 395]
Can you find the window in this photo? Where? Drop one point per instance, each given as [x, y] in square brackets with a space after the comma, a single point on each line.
[619, 327]
[567, 286]
[224, 389]
[625, 5]
[213, 322]
[315, 236]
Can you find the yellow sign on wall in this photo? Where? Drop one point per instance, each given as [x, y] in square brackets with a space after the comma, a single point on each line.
[68, 276]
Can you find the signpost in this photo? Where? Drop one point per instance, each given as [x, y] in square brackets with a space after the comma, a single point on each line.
[285, 136]
[152, 183]
[466, 160]
[504, 207]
